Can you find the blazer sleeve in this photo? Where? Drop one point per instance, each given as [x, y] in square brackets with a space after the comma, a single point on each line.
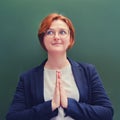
[99, 107]
[19, 110]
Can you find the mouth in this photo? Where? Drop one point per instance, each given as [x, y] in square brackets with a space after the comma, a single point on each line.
[56, 43]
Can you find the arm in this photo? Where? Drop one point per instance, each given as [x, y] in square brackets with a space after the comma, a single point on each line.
[20, 111]
[99, 107]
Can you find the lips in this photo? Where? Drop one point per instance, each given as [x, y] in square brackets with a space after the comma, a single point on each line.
[56, 43]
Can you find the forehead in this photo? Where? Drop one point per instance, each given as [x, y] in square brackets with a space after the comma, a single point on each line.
[58, 24]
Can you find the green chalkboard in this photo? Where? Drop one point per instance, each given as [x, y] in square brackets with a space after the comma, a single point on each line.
[97, 25]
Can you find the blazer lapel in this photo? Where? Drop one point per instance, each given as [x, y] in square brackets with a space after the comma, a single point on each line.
[40, 83]
[79, 79]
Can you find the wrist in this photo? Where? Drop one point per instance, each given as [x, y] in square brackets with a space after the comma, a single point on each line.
[54, 106]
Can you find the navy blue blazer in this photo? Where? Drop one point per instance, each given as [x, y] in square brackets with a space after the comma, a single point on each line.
[29, 104]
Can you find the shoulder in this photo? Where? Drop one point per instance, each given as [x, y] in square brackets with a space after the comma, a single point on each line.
[82, 65]
[84, 68]
[33, 71]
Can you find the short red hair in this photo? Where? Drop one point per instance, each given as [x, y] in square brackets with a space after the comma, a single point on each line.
[46, 22]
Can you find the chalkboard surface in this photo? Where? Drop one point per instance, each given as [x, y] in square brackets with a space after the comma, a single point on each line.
[97, 25]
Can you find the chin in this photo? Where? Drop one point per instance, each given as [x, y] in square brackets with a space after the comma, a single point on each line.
[57, 51]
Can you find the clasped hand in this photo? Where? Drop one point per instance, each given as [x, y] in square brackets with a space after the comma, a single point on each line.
[59, 97]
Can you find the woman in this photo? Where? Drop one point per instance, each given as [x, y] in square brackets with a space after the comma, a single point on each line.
[60, 88]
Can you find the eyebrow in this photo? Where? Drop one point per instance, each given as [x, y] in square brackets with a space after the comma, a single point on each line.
[58, 29]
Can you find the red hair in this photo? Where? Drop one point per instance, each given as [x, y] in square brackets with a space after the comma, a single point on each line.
[46, 22]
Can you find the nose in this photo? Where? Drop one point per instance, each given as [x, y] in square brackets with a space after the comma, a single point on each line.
[56, 36]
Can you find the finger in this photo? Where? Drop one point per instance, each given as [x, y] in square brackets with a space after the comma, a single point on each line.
[57, 87]
[58, 75]
[62, 90]
[56, 96]
[63, 96]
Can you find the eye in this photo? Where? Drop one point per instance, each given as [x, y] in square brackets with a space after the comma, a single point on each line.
[49, 32]
[63, 32]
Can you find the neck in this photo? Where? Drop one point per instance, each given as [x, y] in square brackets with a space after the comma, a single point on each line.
[56, 62]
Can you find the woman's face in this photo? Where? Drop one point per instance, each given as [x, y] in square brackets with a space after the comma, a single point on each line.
[57, 37]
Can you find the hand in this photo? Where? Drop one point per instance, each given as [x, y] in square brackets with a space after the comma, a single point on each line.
[56, 96]
[60, 97]
[63, 96]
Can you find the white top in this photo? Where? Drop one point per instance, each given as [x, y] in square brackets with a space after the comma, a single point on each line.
[69, 86]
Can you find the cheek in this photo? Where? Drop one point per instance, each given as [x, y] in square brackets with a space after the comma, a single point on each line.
[68, 45]
[45, 43]
[68, 41]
